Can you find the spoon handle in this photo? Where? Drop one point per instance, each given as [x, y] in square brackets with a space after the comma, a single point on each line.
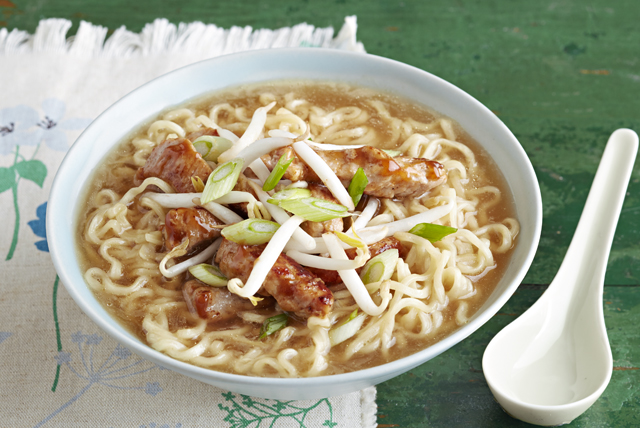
[597, 225]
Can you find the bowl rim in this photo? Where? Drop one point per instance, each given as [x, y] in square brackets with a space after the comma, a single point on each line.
[57, 215]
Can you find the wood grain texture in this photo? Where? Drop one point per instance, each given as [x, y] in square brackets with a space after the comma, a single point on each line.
[450, 391]
[561, 74]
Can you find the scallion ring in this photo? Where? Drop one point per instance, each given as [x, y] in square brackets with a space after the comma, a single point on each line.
[202, 146]
[222, 180]
[209, 274]
[432, 232]
[292, 193]
[210, 147]
[351, 316]
[252, 231]
[380, 267]
[347, 330]
[278, 171]
[357, 185]
[273, 324]
[314, 209]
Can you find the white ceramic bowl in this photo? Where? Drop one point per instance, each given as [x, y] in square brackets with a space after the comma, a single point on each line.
[182, 85]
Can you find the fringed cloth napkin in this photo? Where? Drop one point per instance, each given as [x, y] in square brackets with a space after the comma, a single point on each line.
[57, 368]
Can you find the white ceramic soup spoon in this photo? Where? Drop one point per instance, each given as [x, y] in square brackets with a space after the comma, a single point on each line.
[553, 362]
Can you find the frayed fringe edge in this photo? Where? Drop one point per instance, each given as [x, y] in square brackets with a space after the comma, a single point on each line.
[369, 407]
[162, 37]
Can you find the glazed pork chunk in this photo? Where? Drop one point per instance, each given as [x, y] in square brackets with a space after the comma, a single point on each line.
[389, 177]
[196, 224]
[212, 303]
[175, 161]
[295, 288]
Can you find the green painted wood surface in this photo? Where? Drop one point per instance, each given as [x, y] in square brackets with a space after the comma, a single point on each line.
[561, 74]
[450, 391]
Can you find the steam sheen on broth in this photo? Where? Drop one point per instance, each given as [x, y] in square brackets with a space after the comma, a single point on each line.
[435, 288]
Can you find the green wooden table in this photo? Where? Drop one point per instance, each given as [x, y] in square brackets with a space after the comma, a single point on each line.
[562, 75]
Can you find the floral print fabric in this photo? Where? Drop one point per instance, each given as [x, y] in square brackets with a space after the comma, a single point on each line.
[58, 369]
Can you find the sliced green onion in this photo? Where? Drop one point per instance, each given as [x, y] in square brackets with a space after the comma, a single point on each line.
[211, 147]
[209, 274]
[380, 267]
[198, 184]
[432, 232]
[351, 316]
[347, 330]
[253, 231]
[393, 153]
[357, 185]
[314, 209]
[278, 171]
[273, 324]
[202, 146]
[294, 193]
[222, 180]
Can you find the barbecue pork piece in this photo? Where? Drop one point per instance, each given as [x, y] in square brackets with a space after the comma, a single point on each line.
[196, 224]
[399, 177]
[295, 288]
[174, 161]
[213, 303]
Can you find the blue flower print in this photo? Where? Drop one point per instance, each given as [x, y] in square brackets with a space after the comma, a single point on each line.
[4, 335]
[153, 388]
[93, 339]
[111, 372]
[21, 126]
[63, 358]
[17, 128]
[53, 124]
[39, 227]
[78, 337]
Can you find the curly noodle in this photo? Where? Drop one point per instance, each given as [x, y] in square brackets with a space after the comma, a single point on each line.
[436, 287]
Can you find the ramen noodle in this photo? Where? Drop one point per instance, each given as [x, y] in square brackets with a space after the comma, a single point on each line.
[432, 288]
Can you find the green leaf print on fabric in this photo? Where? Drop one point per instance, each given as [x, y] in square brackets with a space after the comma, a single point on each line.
[7, 178]
[21, 126]
[32, 170]
[247, 412]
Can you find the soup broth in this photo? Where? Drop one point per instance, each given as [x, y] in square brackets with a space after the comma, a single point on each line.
[434, 289]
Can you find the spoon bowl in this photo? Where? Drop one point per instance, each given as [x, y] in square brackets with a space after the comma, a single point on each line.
[554, 361]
